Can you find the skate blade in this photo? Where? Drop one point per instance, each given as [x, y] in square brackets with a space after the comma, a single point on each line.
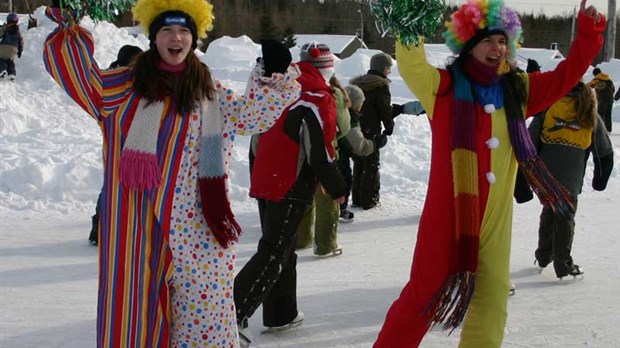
[346, 221]
[334, 253]
[283, 328]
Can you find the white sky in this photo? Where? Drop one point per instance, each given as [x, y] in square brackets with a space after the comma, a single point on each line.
[50, 176]
[551, 7]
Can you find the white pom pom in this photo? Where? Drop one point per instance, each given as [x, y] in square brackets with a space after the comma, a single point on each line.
[489, 108]
[492, 143]
[491, 177]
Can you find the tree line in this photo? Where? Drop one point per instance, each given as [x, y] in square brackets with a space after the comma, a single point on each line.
[282, 19]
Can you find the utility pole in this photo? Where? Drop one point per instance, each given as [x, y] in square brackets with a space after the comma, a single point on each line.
[610, 37]
[362, 23]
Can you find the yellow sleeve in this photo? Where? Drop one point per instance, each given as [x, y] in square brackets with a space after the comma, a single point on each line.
[421, 77]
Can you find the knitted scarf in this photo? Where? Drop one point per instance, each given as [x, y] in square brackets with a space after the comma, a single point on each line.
[139, 165]
[450, 304]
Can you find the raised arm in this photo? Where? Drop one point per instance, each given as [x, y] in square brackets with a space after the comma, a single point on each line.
[547, 87]
[421, 77]
[263, 102]
[68, 57]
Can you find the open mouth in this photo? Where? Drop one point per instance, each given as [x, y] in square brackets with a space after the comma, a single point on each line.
[492, 60]
[175, 51]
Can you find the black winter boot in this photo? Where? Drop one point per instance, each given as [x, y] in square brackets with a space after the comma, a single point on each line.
[93, 238]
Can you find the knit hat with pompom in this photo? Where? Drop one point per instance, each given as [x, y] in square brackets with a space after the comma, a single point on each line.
[317, 54]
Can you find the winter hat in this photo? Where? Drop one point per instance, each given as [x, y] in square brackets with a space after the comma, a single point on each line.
[380, 61]
[356, 95]
[196, 15]
[596, 71]
[12, 18]
[532, 66]
[477, 19]
[276, 56]
[125, 56]
[320, 56]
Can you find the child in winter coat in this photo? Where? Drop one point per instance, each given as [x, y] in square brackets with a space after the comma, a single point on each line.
[11, 45]
[565, 135]
[167, 233]
[354, 144]
[604, 88]
[320, 221]
[477, 107]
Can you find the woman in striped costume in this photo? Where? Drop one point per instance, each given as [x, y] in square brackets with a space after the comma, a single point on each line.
[167, 232]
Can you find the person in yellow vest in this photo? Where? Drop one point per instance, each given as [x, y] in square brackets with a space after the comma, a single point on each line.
[564, 136]
[604, 88]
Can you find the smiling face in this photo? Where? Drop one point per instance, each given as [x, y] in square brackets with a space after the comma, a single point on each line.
[491, 50]
[174, 43]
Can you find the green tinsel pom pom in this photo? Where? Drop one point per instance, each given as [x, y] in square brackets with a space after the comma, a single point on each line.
[98, 10]
[408, 19]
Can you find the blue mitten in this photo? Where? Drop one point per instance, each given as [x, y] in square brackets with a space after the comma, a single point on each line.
[413, 108]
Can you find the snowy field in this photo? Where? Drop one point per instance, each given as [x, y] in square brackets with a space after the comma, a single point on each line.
[50, 176]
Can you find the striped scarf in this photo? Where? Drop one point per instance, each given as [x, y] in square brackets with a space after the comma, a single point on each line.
[450, 304]
[139, 167]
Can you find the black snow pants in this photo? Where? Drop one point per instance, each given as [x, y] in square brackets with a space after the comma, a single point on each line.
[270, 276]
[366, 181]
[555, 239]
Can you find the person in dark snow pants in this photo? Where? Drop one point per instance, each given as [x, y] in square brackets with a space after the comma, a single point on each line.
[290, 158]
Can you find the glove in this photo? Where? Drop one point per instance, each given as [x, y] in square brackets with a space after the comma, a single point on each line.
[397, 109]
[381, 140]
[413, 108]
[276, 57]
[19, 54]
[602, 172]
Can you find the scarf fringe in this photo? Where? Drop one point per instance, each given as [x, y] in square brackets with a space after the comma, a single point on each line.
[450, 304]
[139, 170]
[548, 190]
[217, 212]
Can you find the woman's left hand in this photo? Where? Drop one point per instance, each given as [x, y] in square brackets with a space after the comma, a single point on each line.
[590, 11]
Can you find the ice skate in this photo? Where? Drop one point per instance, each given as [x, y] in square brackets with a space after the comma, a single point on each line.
[346, 216]
[336, 252]
[296, 322]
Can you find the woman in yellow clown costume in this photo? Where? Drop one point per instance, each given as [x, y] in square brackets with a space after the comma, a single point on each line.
[477, 108]
[167, 233]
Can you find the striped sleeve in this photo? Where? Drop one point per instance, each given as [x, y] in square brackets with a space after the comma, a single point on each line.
[68, 58]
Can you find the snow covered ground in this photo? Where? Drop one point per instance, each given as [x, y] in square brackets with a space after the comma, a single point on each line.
[50, 176]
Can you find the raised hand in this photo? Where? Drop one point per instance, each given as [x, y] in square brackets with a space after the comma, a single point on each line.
[590, 11]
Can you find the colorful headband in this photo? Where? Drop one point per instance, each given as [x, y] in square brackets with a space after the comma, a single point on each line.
[475, 15]
[201, 11]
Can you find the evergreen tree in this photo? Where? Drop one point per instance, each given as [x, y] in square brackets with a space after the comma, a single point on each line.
[268, 29]
[289, 37]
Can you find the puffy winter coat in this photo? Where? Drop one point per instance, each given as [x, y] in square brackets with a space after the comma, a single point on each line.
[377, 107]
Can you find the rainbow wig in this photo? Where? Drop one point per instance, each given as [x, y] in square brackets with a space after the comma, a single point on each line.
[476, 16]
[201, 12]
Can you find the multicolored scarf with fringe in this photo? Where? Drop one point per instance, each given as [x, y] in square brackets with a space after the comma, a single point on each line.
[450, 304]
[139, 169]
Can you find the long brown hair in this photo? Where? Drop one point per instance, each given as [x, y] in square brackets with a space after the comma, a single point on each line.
[192, 85]
[585, 105]
[334, 82]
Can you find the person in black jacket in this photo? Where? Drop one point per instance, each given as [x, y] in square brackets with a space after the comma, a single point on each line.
[11, 45]
[604, 89]
[377, 120]
[565, 135]
[291, 157]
